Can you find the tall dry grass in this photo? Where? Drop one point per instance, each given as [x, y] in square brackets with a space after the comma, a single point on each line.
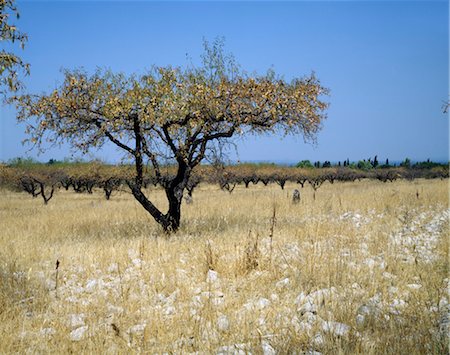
[363, 268]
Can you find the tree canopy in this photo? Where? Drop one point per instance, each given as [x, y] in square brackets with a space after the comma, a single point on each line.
[172, 113]
[10, 64]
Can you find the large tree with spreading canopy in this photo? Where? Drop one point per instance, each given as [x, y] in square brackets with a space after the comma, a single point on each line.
[172, 113]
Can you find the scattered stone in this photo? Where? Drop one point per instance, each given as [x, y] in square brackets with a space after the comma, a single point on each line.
[308, 307]
[170, 310]
[212, 276]
[336, 328]
[76, 320]
[79, 333]
[235, 349]
[360, 320]
[262, 303]
[283, 283]
[137, 262]
[267, 349]
[47, 331]
[137, 329]
[318, 340]
[113, 268]
[91, 285]
[223, 324]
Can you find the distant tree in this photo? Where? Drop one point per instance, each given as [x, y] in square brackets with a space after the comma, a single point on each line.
[375, 162]
[10, 64]
[364, 165]
[172, 114]
[406, 163]
[304, 164]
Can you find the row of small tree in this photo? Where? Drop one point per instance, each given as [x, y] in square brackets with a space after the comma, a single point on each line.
[44, 179]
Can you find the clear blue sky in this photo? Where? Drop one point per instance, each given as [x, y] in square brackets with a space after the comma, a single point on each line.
[385, 62]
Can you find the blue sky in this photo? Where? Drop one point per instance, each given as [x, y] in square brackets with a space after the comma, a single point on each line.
[385, 62]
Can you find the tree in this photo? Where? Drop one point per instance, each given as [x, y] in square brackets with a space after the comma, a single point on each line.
[172, 114]
[305, 164]
[406, 163]
[10, 64]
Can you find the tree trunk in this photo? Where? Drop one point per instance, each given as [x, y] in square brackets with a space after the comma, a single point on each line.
[174, 193]
[170, 221]
[173, 215]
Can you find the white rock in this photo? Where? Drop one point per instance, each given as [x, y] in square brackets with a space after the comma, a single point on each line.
[168, 311]
[223, 324]
[283, 283]
[76, 320]
[262, 303]
[360, 320]
[78, 334]
[443, 303]
[370, 263]
[414, 286]
[318, 340]
[114, 309]
[310, 318]
[300, 299]
[47, 331]
[114, 267]
[392, 290]
[308, 307]
[137, 262]
[196, 301]
[212, 276]
[375, 300]
[235, 349]
[85, 302]
[274, 297]
[267, 349]
[91, 285]
[218, 301]
[320, 296]
[336, 328]
[368, 310]
[259, 304]
[398, 304]
[132, 254]
[72, 299]
[172, 297]
[137, 329]
[444, 324]
[388, 275]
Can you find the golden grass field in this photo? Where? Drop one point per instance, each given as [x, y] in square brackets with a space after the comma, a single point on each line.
[362, 269]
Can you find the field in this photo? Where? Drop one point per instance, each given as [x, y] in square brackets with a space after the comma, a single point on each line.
[362, 268]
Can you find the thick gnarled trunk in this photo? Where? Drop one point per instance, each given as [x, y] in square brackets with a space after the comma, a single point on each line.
[174, 189]
[173, 215]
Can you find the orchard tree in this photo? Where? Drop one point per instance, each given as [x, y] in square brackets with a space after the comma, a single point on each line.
[10, 64]
[172, 113]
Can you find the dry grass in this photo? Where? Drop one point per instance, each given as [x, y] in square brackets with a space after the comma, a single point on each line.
[234, 279]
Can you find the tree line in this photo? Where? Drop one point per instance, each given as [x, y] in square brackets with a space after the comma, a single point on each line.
[85, 177]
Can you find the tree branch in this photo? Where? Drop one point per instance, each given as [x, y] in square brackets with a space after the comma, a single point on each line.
[114, 140]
